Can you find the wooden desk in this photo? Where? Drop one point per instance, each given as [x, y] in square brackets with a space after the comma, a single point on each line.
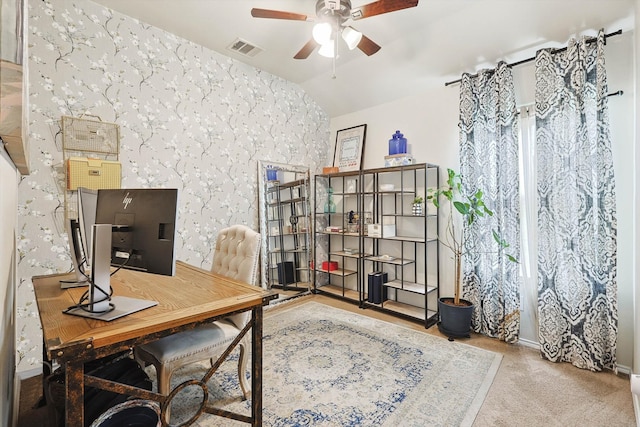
[192, 297]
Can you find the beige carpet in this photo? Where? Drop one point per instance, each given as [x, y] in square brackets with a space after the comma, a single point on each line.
[526, 391]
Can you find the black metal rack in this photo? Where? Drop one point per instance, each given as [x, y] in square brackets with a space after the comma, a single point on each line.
[287, 220]
[406, 253]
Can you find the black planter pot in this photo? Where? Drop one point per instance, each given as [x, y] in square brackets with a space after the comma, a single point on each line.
[455, 321]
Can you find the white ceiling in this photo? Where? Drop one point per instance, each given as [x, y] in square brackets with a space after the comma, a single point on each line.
[423, 46]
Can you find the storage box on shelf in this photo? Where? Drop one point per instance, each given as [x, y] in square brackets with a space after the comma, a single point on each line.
[381, 230]
[397, 252]
[403, 159]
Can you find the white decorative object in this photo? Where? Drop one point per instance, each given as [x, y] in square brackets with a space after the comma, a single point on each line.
[381, 230]
[398, 160]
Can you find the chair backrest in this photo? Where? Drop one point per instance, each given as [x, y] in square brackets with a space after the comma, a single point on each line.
[237, 255]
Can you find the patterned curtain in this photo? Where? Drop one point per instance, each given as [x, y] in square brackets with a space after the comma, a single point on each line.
[577, 304]
[489, 162]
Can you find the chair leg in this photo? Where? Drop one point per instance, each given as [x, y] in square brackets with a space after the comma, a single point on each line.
[242, 370]
[163, 376]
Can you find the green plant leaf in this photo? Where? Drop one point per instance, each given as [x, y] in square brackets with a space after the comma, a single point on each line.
[451, 176]
[463, 208]
[503, 243]
[471, 207]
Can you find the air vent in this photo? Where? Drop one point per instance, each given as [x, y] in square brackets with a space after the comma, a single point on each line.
[245, 48]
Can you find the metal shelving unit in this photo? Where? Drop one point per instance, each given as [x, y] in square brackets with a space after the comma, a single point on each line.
[395, 272]
[289, 242]
[337, 235]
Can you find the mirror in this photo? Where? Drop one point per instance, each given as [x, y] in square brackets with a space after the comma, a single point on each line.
[285, 223]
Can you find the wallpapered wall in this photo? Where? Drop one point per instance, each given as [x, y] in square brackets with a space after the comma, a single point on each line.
[190, 119]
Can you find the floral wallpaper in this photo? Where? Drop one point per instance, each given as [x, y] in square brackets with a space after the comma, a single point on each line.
[190, 119]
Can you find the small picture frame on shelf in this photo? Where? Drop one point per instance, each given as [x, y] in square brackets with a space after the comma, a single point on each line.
[349, 148]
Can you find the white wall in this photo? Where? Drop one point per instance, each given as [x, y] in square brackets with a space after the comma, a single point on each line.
[9, 218]
[620, 73]
[430, 122]
[635, 197]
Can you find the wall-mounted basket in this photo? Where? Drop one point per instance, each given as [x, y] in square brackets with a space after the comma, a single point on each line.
[90, 150]
[92, 136]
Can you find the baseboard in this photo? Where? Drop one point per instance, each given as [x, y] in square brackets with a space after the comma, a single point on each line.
[528, 343]
[622, 369]
[23, 375]
[279, 302]
[636, 407]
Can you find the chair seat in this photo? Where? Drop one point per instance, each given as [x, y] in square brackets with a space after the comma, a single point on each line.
[190, 344]
[236, 256]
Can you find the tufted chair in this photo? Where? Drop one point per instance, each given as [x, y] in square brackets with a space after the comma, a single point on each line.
[236, 256]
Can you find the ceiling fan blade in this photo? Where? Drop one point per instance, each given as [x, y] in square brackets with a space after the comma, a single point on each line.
[379, 7]
[306, 49]
[276, 14]
[368, 46]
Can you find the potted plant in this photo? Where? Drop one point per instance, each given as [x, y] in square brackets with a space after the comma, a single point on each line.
[456, 313]
[416, 208]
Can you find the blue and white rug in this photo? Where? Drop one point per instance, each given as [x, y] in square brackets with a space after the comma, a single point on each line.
[324, 366]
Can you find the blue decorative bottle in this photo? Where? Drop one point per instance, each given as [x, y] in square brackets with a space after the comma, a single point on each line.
[397, 144]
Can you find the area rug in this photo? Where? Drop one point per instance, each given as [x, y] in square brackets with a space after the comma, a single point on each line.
[325, 366]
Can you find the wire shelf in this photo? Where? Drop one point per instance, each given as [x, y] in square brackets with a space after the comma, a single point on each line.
[93, 136]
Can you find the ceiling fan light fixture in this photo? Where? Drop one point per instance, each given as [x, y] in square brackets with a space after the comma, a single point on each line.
[322, 32]
[327, 49]
[351, 37]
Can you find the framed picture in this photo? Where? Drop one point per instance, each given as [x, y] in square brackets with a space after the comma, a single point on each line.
[349, 148]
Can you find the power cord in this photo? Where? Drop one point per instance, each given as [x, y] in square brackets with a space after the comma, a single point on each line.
[85, 305]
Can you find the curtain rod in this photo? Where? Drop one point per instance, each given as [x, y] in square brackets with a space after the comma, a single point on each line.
[524, 61]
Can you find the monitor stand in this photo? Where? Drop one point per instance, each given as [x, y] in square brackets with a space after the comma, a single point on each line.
[76, 258]
[123, 307]
[101, 306]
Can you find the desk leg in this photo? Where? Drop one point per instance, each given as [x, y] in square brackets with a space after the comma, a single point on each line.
[46, 371]
[74, 385]
[256, 367]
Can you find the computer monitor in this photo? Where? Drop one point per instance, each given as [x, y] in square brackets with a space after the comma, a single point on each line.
[144, 227]
[87, 200]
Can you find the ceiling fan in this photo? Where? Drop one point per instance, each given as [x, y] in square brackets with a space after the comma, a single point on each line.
[332, 16]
